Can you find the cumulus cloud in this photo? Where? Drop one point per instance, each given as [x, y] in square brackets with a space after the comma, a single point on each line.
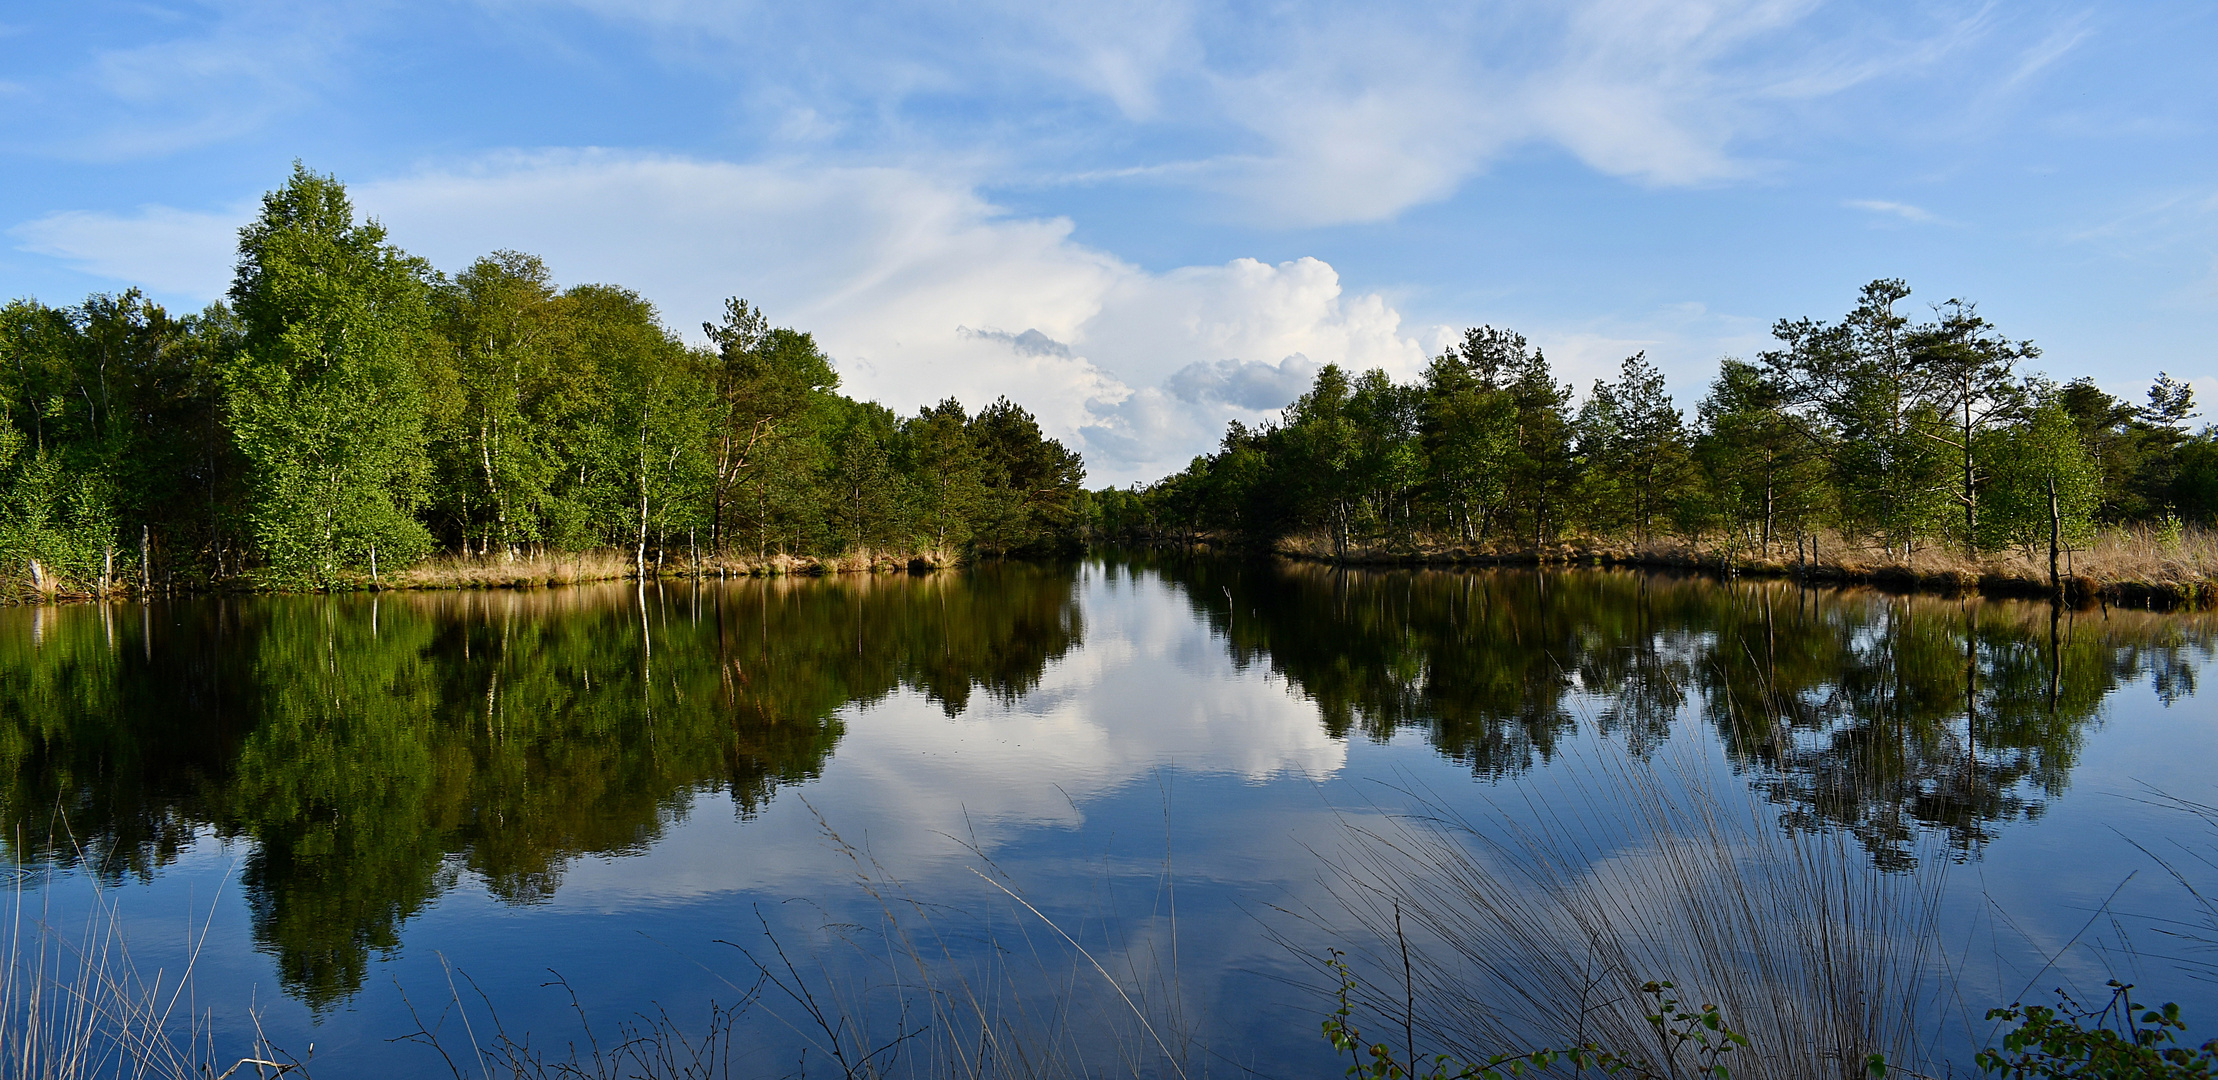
[907, 279]
[1029, 343]
[1248, 384]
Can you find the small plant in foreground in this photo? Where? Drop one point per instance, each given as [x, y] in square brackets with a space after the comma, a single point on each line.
[1695, 1044]
[2121, 1039]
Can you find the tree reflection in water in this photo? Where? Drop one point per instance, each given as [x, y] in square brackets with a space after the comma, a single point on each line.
[1853, 709]
[372, 749]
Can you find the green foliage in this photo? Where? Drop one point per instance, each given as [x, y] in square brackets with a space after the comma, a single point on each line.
[352, 406]
[1878, 426]
[1696, 1042]
[1761, 476]
[2023, 463]
[505, 408]
[351, 410]
[2145, 456]
[112, 408]
[1031, 483]
[325, 395]
[2195, 484]
[2119, 1040]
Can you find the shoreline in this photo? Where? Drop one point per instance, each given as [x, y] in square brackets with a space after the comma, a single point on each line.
[449, 573]
[1998, 578]
[2102, 578]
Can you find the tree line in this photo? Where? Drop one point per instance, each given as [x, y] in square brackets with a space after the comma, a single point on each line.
[349, 409]
[1878, 426]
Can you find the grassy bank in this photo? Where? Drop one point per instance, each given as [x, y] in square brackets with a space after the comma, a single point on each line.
[523, 571]
[495, 572]
[2136, 566]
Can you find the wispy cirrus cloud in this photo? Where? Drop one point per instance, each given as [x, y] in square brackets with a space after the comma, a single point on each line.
[1899, 211]
[1321, 115]
[194, 75]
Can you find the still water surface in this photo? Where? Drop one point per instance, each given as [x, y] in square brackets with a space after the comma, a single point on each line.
[362, 802]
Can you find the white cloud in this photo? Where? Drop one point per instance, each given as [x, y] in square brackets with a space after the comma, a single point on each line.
[1248, 384]
[1321, 115]
[1150, 690]
[917, 287]
[176, 252]
[203, 75]
[1904, 211]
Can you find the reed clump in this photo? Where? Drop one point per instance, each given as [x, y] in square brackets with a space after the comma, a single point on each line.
[75, 1005]
[1548, 925]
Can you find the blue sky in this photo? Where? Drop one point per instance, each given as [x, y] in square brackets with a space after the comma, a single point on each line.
[1143, 219]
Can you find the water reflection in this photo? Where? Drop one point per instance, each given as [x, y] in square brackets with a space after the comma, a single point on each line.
[1883, 715]
[371, 749]
[369, 753]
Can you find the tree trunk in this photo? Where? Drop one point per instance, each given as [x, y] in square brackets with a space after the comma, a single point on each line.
[1770, 505]
[1971, 494]
[2056, 536]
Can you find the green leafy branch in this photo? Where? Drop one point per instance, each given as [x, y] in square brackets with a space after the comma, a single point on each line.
[2121, 1039]
[1696, 1044]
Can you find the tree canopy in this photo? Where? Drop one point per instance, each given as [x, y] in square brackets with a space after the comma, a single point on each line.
[1907, 433]
[349, 409]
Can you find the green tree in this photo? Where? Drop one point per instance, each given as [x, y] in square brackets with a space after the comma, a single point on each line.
[121, 403]
[945, 468]
[509, 411]
[765, 383]
[1389, 463]
[2029, 461]
[1466, 429]
[647, 463]
[325, 395]
[2195, 486]
[1603, 496]
[1973, 369]
[1033, 483]
[1757, 462]
[1542, 469]
[1652, 440]
[870, 507]
[1867, 396]
[1320, 452]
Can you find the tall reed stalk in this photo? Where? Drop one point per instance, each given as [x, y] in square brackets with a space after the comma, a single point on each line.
[1538, 925]
[75, 1004]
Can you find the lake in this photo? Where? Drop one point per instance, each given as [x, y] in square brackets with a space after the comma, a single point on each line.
[1108, 814]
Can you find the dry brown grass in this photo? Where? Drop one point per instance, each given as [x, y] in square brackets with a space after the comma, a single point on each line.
[494, 572]
[613, 564]
[2129, 563]
[453, 571]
